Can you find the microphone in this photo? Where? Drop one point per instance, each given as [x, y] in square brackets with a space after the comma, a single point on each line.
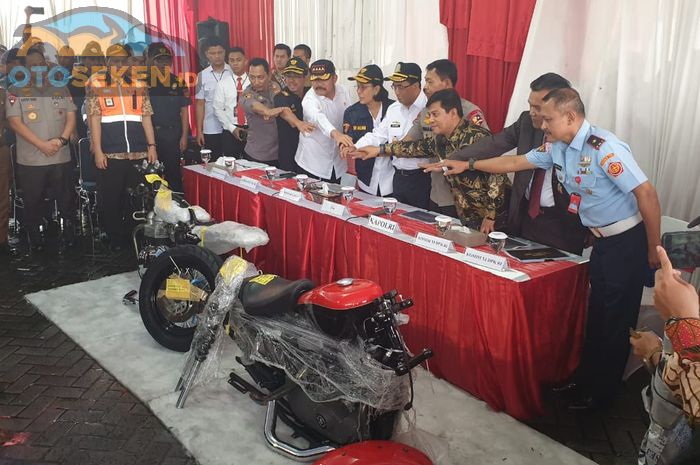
[694, 223]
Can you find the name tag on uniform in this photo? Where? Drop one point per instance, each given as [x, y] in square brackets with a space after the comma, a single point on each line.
[574, 203]
[109, 102]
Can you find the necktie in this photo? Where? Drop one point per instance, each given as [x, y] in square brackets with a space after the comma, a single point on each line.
[533, 208]
[240, 113]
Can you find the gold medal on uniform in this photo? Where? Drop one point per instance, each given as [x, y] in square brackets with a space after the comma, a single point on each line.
[32, 116]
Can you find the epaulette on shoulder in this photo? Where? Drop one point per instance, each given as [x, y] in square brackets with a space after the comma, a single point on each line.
[596, 141]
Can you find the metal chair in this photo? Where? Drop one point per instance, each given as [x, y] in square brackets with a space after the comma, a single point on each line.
[15, 192]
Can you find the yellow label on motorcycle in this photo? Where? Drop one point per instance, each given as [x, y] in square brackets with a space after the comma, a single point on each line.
[263, 279]
[151, 178]
[233, 267]
[177, 289]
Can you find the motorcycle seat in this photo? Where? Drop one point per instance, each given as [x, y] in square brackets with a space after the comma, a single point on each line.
[269, 295]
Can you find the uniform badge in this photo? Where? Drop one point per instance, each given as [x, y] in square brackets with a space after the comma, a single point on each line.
[589, 192]
[585, 161]
[346, 128]
[615, 169]
[174, 86]
[542, 148]
[260, 98]
[109, 102]
[606, 158]
[11, 98]
[32, 116]
[578, 179]
[55, 103]
[596, 141]
[247, 95]
[476, 117]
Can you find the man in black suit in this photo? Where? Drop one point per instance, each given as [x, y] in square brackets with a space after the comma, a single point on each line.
[545, 219]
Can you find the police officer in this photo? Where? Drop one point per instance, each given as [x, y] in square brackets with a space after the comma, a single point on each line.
[257, 101]
[374, 176]
[615, 200]
[122, 137]
[43, 118]
[169, 99]
[295, 74]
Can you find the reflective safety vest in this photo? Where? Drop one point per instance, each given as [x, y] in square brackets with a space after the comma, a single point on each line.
[121, 105]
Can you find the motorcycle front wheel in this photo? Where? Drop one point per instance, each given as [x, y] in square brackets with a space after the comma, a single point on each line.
[171, 319]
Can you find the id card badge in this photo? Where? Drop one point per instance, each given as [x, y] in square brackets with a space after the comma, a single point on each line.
[574, 203]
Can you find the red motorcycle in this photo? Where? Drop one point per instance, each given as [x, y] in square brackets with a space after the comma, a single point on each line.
[328, 361]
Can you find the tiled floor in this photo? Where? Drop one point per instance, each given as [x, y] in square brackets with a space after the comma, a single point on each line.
[56, 404]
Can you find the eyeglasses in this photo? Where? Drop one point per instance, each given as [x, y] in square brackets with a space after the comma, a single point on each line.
[397, 87]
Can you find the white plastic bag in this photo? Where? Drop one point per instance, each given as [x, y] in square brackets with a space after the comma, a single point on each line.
[224, 237]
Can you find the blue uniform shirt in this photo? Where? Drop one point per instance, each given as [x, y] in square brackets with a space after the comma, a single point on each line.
[600, 168]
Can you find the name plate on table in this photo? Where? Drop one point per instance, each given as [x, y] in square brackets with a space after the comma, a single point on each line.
[439, 244]
[220, 173]
[485, 259]
[388, 226]
[332, 208]
[291, 195]
[250, 184]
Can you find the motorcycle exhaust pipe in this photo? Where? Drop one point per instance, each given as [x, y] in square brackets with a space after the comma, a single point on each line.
[283, 448]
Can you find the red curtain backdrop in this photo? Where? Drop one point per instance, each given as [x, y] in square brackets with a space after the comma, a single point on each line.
[486, 41]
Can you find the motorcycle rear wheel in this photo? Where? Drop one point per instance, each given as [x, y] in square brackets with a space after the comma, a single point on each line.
[172, 323]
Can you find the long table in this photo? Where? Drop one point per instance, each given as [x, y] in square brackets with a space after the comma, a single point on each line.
[499, 335]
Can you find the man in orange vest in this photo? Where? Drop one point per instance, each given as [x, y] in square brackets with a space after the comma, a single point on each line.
[122, 137]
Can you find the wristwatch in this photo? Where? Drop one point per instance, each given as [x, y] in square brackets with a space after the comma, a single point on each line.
[152, 145]
[471, 164]
[382, 149]
[63, 140]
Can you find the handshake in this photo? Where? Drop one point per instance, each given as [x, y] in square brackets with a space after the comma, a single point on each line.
[365, 153]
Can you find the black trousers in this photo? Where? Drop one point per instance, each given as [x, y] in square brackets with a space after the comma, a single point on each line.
[618, 269]
[214, 142]
[113, 198]
[550, 228]
[412, 187]
[230, 146]
[333, 179]
[41, 182]
[168, 142]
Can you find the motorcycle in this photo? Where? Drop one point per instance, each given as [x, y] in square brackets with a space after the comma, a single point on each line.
[328, 361]
[180, 266]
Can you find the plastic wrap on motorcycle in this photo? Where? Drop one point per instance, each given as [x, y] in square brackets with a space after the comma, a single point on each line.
[325, 368]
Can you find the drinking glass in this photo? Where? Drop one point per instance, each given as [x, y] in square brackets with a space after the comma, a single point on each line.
[348, 193]
[390, 205]
[497, 241]
[443, 223]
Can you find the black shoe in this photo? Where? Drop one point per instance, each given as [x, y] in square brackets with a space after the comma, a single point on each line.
[69, 236]
[588, 404]
[565, 387]
[36, 242]
[7, 251]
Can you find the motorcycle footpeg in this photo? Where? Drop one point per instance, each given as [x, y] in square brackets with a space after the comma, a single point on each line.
[241, 385]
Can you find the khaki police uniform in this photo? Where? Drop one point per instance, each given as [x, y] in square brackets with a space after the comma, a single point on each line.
[44, 111]
[261, 144]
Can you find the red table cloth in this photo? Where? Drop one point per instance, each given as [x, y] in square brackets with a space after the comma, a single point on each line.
[498, 339]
